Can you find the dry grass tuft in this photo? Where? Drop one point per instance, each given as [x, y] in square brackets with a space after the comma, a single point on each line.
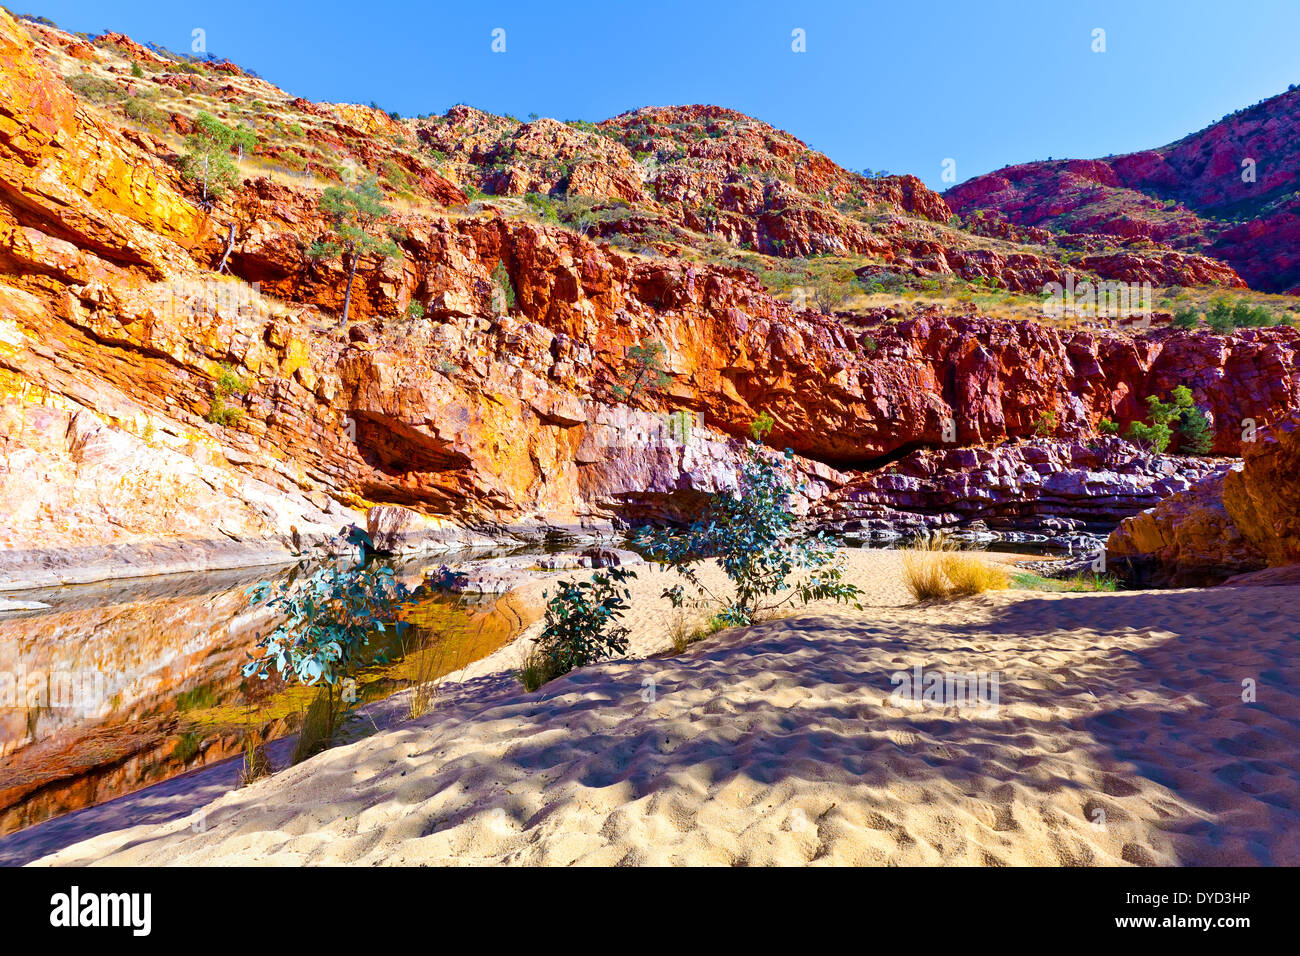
[934, 569]
[319, 722]
[685, 630]
[535, 670]
[429, 664]
[256, 763]
[923, 567]
[970, 574]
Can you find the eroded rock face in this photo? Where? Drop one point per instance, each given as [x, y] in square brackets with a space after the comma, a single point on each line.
[1263, 498]
[1241, 521]
[481, 415]
[1187, 540]
[85, 500]
[1039, 486]
[75, 198]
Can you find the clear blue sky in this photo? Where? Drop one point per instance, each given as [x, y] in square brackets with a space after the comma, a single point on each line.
[898, 86]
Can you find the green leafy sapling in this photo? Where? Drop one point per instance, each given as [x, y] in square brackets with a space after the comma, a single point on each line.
[644, 371]
[750, 533]
[582, 624]
[328, 621]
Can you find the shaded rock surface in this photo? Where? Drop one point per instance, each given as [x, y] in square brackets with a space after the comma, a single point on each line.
[1048, 488]
[1228, 524]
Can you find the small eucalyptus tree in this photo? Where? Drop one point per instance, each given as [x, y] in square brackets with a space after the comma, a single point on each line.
[356, 216]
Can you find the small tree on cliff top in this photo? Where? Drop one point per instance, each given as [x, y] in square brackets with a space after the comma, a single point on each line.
[207, 160]
[355, 215]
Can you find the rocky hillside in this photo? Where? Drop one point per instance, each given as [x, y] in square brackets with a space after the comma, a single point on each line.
[1230, 191]
[696, 182]
[178, 390]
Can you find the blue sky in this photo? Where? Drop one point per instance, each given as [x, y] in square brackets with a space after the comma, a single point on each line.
[896, 86]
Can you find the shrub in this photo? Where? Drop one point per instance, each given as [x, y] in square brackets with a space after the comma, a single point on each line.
[1150, 438]
[750, 534]
[1195, 435]
[230, 382]
[582, 626]
[761, 426]
[96, 89]
[543, 206]
[142, 111]
[1046, 424]
[1108, 427]
[1181, 413]
[504, 298]
[1225, 315]
[1219, 316]
[415, 310]
[882, 281]
[220, 414]
[1187, 318]
[394, 174]
[1244, 315]
[831, 293]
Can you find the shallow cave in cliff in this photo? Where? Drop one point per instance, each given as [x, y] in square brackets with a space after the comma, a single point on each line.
[630, 512]
[413, 459]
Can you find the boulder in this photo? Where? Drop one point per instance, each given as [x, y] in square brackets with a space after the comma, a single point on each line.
[1227, 525]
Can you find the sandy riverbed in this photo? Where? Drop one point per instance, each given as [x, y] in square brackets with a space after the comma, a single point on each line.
[1120, 736]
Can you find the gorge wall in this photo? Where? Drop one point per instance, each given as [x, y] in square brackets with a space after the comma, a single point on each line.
[118, 340]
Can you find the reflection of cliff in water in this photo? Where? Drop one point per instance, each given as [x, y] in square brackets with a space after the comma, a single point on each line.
[121, 684]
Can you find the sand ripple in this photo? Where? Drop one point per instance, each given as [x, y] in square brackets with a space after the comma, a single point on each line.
[1121, 736]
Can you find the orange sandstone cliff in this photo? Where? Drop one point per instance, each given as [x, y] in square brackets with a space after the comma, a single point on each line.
[466, 418]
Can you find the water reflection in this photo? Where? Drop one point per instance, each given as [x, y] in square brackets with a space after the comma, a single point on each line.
[121, 684]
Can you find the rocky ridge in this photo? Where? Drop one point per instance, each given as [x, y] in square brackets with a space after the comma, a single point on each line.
[1228, 191]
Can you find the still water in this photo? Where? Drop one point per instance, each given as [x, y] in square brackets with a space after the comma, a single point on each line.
[122, 684]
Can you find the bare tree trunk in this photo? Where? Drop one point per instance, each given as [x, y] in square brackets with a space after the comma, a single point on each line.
[230, 245]
[347, 296]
